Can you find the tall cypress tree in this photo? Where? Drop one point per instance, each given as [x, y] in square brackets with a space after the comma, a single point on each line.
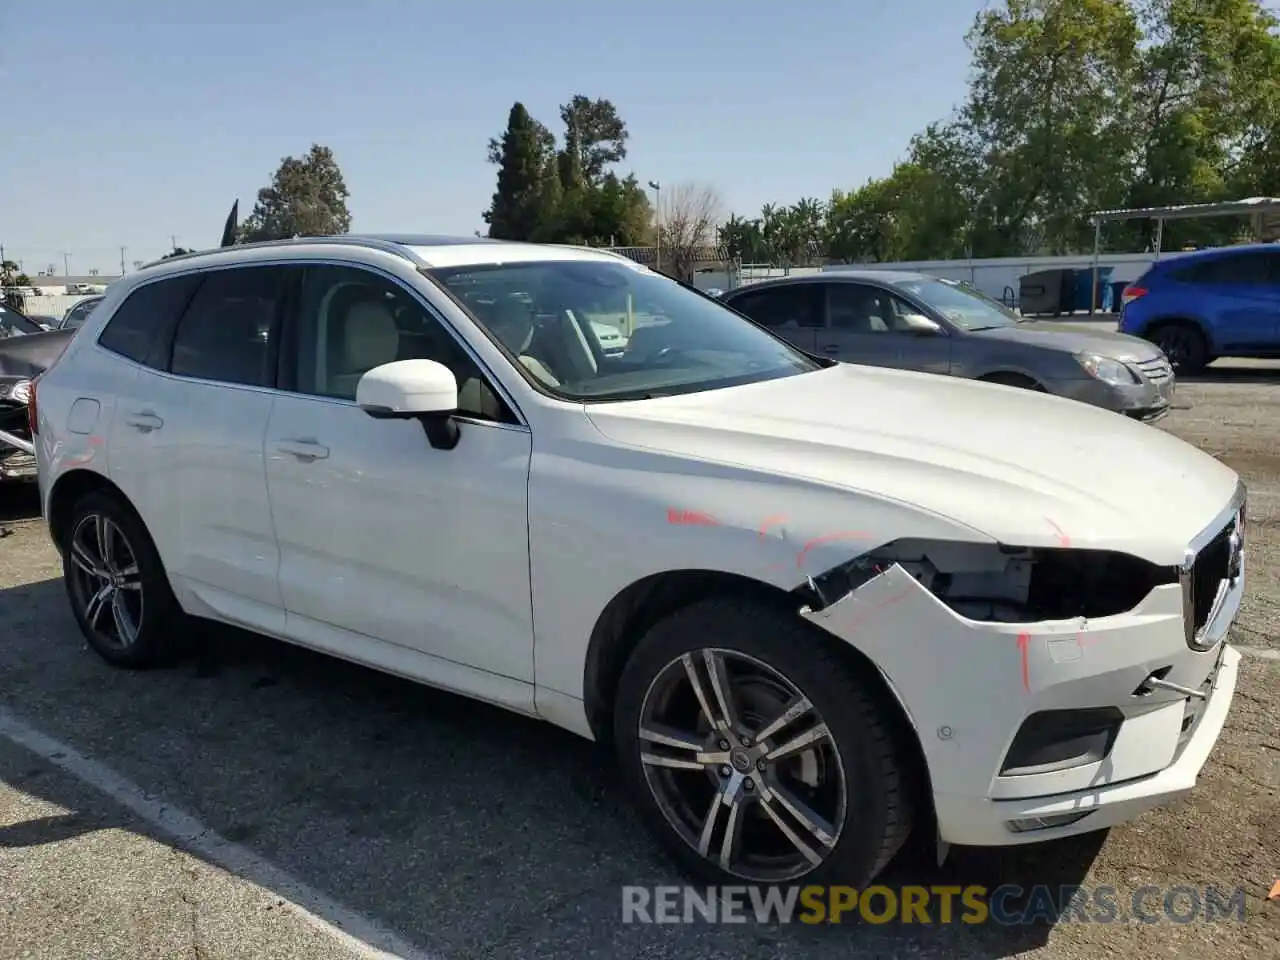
[516, 208]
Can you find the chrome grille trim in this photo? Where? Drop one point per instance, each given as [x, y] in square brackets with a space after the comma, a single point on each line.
[1157, 371]
[1220, 542]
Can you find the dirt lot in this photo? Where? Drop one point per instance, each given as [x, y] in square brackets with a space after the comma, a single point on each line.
[335, 799]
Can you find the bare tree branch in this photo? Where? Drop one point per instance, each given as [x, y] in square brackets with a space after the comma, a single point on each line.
[689, 215]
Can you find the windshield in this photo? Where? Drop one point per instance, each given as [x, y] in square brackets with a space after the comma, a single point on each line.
[606, 331]
[963, 306]
[14, 324]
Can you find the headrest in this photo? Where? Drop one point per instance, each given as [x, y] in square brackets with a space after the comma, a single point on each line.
[369, 336]
[511, 322]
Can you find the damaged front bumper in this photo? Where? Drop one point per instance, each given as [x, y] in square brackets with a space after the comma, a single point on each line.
[17, 457]
[1038, 730]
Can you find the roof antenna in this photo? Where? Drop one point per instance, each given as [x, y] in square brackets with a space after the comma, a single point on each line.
[229, 229]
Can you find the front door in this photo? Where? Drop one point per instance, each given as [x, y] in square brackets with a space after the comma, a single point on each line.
[869, 325]
[382, 535]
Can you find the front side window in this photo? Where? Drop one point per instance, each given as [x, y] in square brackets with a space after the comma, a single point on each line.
[963, 306]
[146, 317]
[677, 341]
[230, 330]
[351, 320]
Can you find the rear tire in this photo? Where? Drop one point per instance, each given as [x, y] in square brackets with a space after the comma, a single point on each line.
[1184, 345]
[845, 795]
[117, 586]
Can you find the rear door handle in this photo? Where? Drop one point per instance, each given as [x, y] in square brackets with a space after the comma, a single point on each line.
[307, 450]
[144, 420]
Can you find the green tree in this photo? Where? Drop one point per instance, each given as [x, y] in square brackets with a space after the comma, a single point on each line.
[516, 212]
[176, 252]
[600, 136]
[307, 197]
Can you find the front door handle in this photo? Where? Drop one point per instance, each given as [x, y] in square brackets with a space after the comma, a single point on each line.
[144, 420]
[307, 450]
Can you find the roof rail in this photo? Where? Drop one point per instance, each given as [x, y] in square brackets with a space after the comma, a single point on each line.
[355, 240]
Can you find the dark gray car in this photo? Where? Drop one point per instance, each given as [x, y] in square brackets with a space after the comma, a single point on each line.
[913, 321]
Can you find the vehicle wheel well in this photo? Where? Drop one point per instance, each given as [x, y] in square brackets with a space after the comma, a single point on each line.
[1159, 324]
[630, 615]
[1010, 378]
[69, 490]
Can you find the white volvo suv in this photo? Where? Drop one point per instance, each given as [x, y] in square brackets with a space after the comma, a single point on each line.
[810, 604]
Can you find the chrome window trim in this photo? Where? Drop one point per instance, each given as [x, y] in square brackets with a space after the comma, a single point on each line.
[303, 261]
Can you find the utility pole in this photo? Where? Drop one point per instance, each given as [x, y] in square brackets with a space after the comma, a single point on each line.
[657, 219]
[173, 242]
[122, 250]
[66, 263]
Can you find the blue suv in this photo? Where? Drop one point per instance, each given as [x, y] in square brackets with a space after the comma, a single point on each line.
[1200, 306]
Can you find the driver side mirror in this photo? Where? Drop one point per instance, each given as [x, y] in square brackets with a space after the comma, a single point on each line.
[421, 390]
[919, 325]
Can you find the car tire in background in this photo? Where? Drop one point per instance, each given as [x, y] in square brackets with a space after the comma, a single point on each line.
[1184, 345]
[808, 771]
[117, 585]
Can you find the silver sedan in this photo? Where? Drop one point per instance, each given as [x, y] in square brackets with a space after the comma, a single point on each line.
[913, 321]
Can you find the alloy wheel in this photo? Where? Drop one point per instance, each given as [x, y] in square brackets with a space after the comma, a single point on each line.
[742, 765]
[106, 580]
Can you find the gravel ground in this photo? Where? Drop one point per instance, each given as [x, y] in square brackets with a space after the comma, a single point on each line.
[441, 828]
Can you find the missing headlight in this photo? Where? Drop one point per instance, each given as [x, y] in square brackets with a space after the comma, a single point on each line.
[998, 583]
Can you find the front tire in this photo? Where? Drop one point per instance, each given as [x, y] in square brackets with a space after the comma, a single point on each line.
[757, 754]
[117, 585]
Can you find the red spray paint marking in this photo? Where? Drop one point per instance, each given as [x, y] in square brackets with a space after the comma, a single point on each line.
[1063, 539]
[694, 518]
[1082, 641]
[1024, 640]
[819, 541]
[771, 521]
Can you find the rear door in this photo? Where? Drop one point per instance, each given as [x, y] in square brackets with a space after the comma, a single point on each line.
[1245, 305]
[792, 311]
[190, 437]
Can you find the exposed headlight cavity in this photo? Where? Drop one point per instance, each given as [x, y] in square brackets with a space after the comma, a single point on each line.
[19, 392]
[1004, 584]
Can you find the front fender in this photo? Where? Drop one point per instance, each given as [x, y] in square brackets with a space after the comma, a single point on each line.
[596, 529]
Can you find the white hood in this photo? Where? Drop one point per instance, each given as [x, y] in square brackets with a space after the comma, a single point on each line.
[1024, 468]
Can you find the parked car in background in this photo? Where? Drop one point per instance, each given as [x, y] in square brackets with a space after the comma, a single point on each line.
[77, 313]
[1197, 307]
[808, 604]
[913, 321]
[25, 353]
[14, 323]
[45, 322]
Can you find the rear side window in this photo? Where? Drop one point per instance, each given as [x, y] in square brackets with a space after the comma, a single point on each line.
[1249, 268]
[140, 326]
[231, 330]
[782, 306]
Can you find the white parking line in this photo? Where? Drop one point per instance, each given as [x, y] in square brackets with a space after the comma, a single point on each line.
[365, 936]
[1266, 653]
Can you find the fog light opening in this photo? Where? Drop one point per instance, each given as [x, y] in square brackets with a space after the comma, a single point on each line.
[1031, 824]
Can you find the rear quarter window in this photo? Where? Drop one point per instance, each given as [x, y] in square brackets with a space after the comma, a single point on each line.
[142, 325]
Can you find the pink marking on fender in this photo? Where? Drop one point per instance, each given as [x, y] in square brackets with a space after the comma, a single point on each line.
[1063, 539]
[771, 521]
[694, 518]
[828, 538]
[1024, 640]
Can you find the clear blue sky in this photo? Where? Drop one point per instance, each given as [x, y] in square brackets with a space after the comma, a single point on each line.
[135, 120]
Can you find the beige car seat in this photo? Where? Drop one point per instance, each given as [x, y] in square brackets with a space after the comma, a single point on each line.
[512, 324]
[370, 338]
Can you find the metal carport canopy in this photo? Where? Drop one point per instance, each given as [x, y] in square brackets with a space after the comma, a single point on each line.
[1254, 206]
